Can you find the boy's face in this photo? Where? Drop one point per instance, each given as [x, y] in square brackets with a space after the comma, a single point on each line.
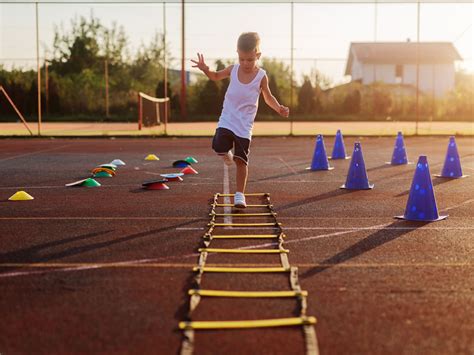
[248, 60]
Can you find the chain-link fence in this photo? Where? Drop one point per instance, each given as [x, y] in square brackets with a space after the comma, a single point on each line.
[356, 63]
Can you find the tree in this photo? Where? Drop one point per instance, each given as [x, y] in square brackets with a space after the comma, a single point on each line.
[382, 99]
[352, 102]
[209, 99]
[306, 98]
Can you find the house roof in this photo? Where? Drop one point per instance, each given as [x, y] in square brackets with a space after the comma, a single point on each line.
[401, 53]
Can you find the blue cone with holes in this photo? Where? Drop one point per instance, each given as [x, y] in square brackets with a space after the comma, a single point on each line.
[399, 156]
[320, 158]
[339, 149]
[357, 176]
[452, 164]
[421, 205]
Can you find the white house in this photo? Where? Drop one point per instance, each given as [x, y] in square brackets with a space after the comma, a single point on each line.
[396, 62]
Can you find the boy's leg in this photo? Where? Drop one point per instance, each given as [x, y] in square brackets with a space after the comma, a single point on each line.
[241, 151]
[241, 175]
[222, 144]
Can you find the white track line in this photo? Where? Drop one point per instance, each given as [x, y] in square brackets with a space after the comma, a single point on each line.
[459, 205]
[33, 153]
[36, 272]
[195, 255]
[197, 218]
[292, 241]
[99, 218]
[91, 266]
[288, 166]
[340, 228]
[378, 228]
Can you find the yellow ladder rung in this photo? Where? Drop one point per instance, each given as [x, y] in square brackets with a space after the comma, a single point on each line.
[245, 224]
[241, 269]
[241, 214]
[252, 194]
[232, 205]
[247, 236]
[262, 323]
[244, 251]
[247, 294]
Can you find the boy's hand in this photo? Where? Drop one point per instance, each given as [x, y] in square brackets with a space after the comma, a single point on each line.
[200, 63]
[283, 111]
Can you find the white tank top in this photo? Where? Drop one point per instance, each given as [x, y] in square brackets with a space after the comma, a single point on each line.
[241, 104]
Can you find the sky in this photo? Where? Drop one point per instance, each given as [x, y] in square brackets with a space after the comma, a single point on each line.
[322, 32]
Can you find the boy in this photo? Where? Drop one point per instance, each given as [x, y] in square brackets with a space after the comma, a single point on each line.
[234, 129]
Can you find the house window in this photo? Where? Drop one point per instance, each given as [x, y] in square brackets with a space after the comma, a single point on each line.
[399, 73]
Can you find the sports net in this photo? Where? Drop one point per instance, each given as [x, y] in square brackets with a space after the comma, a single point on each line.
[152, 111]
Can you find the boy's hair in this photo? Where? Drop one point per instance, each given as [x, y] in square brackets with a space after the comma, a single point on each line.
[249, 42]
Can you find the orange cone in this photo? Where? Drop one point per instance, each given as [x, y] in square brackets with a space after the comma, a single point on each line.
[189, 171]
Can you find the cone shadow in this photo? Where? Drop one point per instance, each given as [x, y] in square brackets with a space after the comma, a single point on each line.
[380, 167]
[30, 254]
[436, 181]
[298, 173]
[380, 237]
[324, 196]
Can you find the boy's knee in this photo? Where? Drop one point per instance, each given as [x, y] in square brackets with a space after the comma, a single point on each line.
[239, 162]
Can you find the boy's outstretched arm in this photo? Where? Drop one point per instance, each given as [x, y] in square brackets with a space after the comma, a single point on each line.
[271, 101]
[213, 75]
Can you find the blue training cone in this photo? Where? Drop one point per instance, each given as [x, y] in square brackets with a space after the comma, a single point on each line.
[452, 164]
[421, 205]
[357, 176]
[399, 156]
[339, 149]
[320, 158]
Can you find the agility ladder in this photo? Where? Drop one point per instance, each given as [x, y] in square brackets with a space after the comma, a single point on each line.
[196, 293]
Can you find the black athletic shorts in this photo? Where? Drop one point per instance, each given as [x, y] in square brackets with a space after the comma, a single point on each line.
[224, 140]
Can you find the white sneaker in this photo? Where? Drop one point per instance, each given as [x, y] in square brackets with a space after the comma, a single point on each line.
[239, 200]
[228, 158]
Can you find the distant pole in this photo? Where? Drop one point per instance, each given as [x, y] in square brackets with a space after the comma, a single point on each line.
[46, 85]
[38, 67]
[140, 112]
[183, 65]
[165, 69]
[106, 70]
[374, 101]
[292, 88]
[376, 14]
[417, 66]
